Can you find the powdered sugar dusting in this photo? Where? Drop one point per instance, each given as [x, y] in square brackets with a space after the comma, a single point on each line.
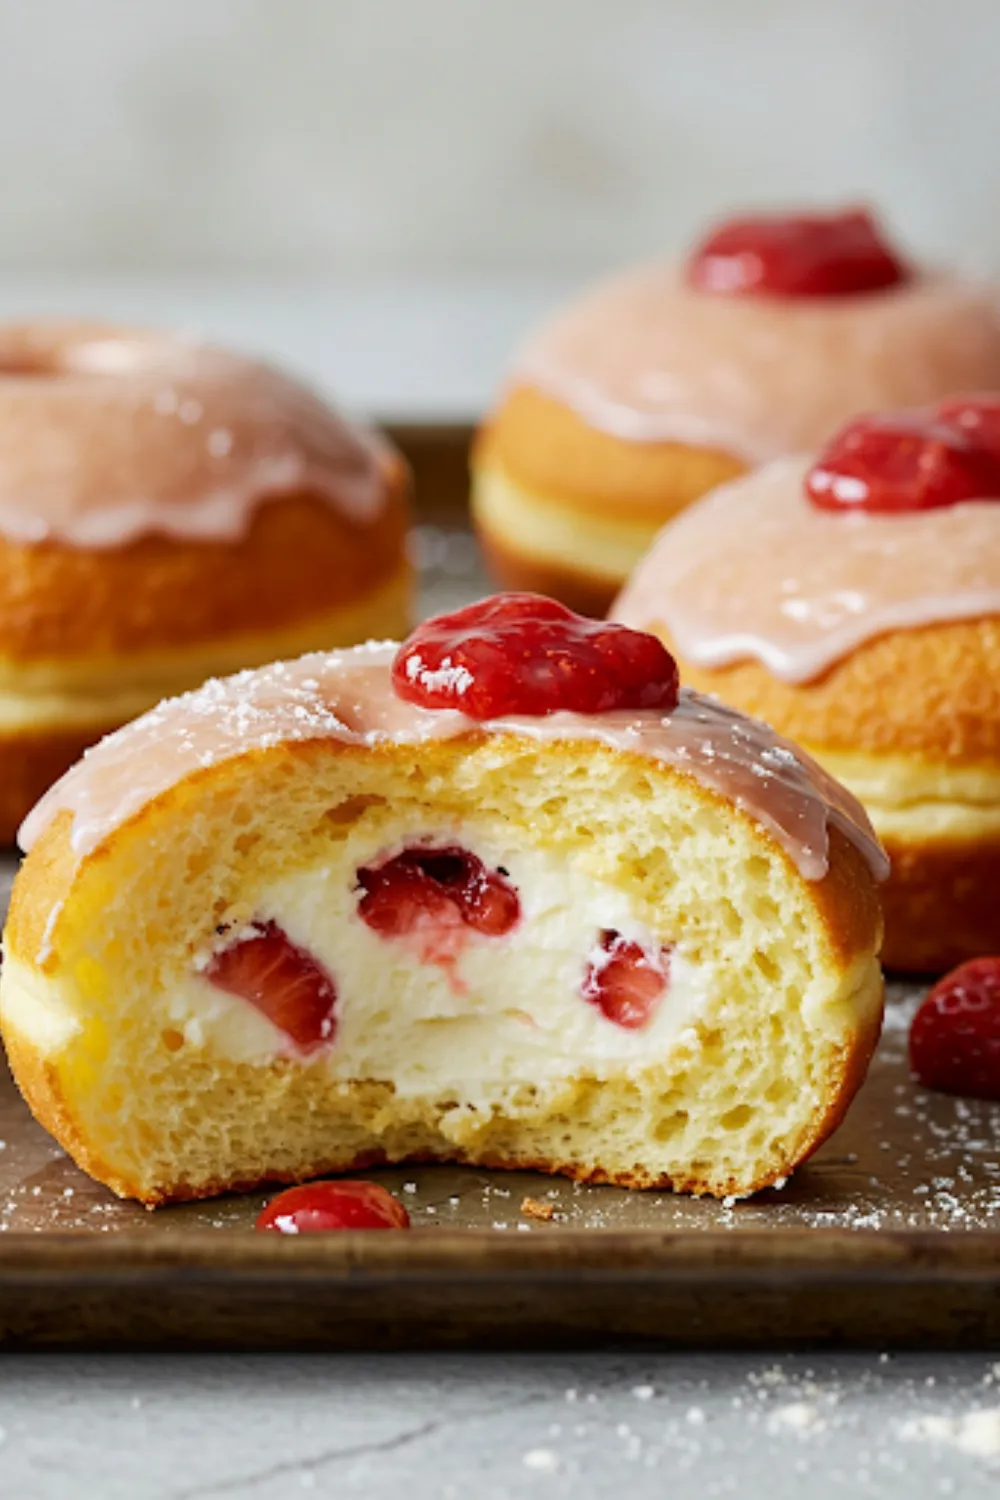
[974, 1432]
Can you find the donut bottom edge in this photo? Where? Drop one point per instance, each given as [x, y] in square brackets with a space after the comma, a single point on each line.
[535, 542]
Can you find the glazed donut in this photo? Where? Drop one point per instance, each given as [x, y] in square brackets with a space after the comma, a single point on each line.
[311, 917]
[169, 510]
[664, 382]
[873, 639]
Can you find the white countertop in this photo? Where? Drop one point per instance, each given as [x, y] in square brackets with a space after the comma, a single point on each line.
[471, 1427]
[427, 349]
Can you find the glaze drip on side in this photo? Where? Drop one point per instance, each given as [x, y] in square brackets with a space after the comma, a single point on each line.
[109, 434]
[348, 696]
[649, 359]
[755, 571]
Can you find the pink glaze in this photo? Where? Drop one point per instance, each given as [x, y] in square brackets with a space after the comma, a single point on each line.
[755, 571]
[108, 434]
[649, 359]
[348, 696]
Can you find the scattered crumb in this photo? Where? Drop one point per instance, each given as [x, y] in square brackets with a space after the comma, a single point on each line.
[534, 1208]
[974, 1432]
[797, 1416]
[542, 1459]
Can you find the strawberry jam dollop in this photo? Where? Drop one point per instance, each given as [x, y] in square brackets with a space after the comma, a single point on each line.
[913, 460]
[265, 968]
[625, 980]
[431, 890]
[978, 416]
[955, 1035]
[837, 254]
[525, 654]
[318, 1207]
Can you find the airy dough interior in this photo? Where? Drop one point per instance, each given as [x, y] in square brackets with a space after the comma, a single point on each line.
[756, 1048]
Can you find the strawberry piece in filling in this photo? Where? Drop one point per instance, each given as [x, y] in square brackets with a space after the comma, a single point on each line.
[625, 980]
[955, 1035]
[796, 255]
[524, 654]
[284, 982]
[318, 1207]
[904, 461]
[436, 897]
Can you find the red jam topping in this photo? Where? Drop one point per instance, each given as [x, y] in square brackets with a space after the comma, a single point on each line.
[624, 980]
[318, 1207]
[266, 969]
[426, 890]
[524, 654]
[955, 1035]
[914, 460]
[978, 416]
[796, 255]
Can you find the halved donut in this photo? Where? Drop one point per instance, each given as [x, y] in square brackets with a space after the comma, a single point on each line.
[291, 924]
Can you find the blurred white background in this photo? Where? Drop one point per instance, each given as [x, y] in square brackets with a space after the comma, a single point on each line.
[350, 136]
[387, 193]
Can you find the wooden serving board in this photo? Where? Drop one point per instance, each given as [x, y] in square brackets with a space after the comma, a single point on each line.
[889, 1236]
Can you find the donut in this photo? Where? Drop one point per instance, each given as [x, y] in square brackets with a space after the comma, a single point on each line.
[502, 896]
[666, 381]
[853, 601]
[169, 511]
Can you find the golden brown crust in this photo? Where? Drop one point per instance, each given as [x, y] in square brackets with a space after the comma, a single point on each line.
[942, 903]
[847, 902]
[300, 557]
[546, 449]
[38, 1082]
[53, 868]
[933, 693]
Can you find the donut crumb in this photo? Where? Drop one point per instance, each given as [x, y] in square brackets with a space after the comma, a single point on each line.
[534, 1208]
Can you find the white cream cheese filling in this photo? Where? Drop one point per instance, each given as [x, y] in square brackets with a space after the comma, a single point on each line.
[508, 1011]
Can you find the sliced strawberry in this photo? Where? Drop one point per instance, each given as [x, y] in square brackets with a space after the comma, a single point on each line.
[625, 980]
[427, 889]
[318, 1207]
[283, 981]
